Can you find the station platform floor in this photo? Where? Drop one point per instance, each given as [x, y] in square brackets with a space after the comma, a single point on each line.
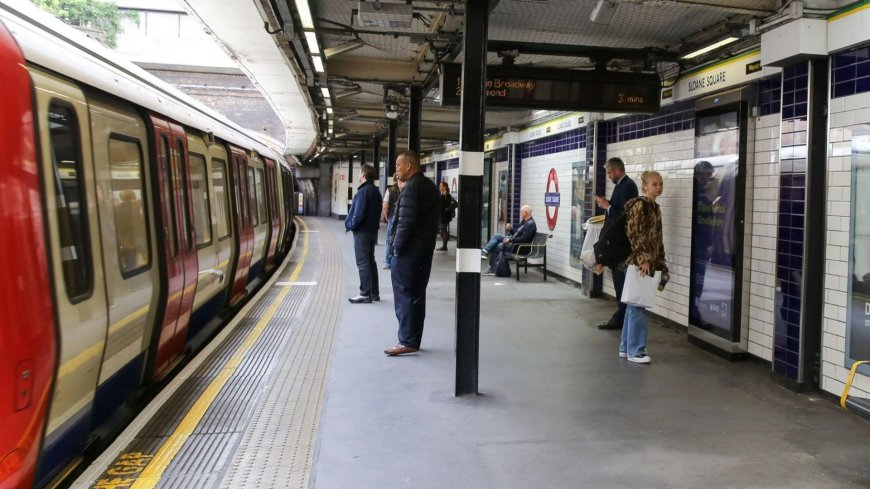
[557, 407]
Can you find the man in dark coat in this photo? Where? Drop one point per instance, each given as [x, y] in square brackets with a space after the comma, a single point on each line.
[362, 219]
[624, 191]
[499, 243]
[414, 231]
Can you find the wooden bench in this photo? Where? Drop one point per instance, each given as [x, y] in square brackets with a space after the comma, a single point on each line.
[536, 250]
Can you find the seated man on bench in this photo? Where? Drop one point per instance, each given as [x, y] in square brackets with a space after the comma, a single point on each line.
[524, 233]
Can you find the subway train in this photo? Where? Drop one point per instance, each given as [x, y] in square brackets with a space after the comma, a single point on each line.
[133, 220]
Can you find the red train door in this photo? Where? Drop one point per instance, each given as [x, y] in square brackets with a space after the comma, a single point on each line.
[272, 206]
[244, 229]
[179, 273]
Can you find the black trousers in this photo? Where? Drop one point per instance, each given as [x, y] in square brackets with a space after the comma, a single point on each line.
[364, 250]
[410, 275]
[618, 283]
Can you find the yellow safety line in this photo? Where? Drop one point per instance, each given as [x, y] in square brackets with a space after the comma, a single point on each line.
[150, 476]
[849, 382]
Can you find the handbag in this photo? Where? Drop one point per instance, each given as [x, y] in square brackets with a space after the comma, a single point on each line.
[502, 265]
[613, 246]
[640, 291]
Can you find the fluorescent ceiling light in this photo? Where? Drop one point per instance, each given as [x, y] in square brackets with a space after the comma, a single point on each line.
[304, 14]
[328, 102]
[311, 39]
[318, 66]
[325, 92]
[707, 49]
[329, 110]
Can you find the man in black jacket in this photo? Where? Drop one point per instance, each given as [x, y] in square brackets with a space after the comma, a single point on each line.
[524, 233]
[624, 191]
[362, 219]
[414, 230]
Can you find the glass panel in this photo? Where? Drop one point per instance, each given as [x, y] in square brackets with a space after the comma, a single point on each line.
[578, 217]
[261, 195]
[181, 174]
[712, 282]
[221, 204]
[168, 196]
[71, 205]
[252, 196]
[128, 190]
[859, 285]
[201, 204]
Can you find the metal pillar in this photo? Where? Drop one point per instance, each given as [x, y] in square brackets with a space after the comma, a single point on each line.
[415, 118]
[392, 151]
[470, 189]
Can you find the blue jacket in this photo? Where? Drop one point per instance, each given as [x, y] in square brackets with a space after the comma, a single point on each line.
[525, 233]
[365, 211]
[624, 191]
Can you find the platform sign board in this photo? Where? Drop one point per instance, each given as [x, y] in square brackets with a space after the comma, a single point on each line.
[859, 265]
[509, 86]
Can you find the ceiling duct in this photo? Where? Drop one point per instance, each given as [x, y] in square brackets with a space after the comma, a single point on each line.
[385, 15]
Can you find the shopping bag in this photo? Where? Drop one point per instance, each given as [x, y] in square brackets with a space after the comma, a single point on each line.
[593, 230]
[640, 291]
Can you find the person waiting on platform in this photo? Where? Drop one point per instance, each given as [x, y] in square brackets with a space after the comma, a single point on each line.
[524, 233]
[448, 212]
[362, 219]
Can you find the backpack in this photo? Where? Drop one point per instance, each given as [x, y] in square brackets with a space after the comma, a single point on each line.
[613, 246]
[453, 206]
[502, 265]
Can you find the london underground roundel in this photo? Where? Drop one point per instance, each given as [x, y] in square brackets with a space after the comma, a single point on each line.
[552, 199]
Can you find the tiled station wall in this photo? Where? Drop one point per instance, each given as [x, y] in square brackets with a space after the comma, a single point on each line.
[848, 116]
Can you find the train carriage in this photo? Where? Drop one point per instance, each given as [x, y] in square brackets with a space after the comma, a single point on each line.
[133, 220]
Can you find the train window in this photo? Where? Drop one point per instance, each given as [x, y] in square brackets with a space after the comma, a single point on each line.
[252, 198]
[128, 195]
[201, 204]
[181, 174]
[169, 195]
[221, 205]
[72, 217]
[261, 195]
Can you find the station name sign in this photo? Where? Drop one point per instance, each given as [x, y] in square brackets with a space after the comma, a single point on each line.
[509, 86]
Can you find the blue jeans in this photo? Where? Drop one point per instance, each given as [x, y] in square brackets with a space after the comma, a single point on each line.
[493, 241]
[388, 259]
[633, 341]
[364, 250]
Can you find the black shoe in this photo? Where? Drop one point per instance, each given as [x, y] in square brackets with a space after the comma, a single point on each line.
[443, 248]
[376, 298]
[361, 299]
[609, 325]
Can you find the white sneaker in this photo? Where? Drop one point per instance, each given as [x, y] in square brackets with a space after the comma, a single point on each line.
[641, 359]
[622, 354]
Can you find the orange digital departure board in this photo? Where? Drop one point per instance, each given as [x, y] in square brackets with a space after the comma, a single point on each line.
[509, 86]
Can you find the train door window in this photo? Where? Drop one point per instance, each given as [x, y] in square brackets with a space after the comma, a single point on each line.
[169, 195]
[131, 218]
[252, 198]
[221, 205]
[241, 192]
[71, 204]
[181, 174]
[201, 201]
[261, 195]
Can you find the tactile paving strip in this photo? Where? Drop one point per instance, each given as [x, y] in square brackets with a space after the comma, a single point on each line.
[284, 370]
[277, 448]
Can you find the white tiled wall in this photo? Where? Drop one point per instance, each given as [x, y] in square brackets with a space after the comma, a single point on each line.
[672, 155]
[534, 184]
[847, 114]
[761, 237]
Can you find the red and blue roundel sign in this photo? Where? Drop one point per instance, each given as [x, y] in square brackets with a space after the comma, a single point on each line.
[552, 199]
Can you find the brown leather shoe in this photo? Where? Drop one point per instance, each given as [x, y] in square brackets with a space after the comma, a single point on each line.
[400, 350]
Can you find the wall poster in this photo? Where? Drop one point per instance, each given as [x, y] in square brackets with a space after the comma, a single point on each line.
[713, 286]
[578, 197]
[858, 314]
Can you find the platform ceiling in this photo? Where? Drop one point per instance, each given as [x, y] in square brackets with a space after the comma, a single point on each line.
[397, 44]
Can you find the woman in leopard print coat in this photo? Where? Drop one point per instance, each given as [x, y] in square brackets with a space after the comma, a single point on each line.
[643, 226]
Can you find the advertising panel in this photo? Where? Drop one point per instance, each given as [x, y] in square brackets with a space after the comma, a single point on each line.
[859, 264]
[713, 285]
[578, 196]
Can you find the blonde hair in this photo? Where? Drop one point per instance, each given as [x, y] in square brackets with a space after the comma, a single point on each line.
[646, 176]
